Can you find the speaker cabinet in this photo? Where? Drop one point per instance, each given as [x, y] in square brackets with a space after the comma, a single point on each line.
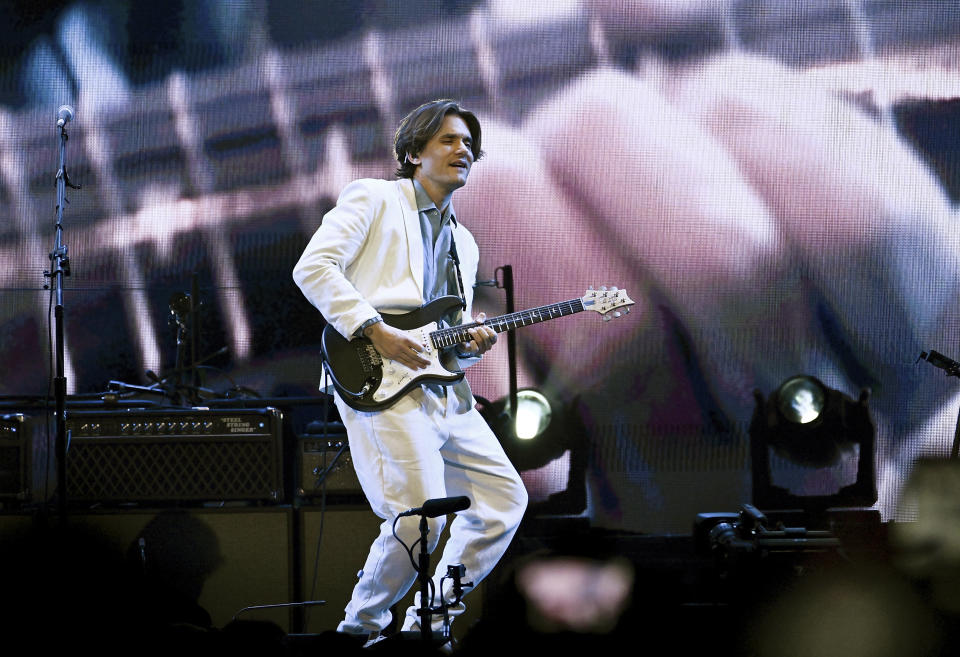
[227, 559]
[334, 547]
[15, 459]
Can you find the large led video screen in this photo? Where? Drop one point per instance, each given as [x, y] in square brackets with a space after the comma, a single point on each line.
[773, 182]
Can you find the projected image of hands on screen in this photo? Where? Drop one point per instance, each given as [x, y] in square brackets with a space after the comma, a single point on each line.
[776, 222]
[743, 169]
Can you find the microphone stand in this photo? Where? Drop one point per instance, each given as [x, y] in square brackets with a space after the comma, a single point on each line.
[425, 612]
[432, 509]
[60, 267]
[194, 337]
[178, 368]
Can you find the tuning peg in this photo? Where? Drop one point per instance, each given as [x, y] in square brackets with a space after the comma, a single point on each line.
[617, 314]
[613, 289]
[626, 311]
[607, 318]
[604, 288]
[590, 288]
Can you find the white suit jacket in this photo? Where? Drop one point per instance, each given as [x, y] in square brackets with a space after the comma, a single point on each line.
[367, 256]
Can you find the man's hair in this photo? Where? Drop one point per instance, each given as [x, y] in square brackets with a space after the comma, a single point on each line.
[420, 125]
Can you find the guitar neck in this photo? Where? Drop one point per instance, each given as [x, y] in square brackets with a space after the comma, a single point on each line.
[447, 337]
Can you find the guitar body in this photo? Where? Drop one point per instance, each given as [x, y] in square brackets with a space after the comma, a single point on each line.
[368, 382]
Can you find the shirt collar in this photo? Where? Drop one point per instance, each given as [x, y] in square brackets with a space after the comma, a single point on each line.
[424, 203]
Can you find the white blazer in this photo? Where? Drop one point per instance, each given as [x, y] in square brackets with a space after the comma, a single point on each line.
[367, 256]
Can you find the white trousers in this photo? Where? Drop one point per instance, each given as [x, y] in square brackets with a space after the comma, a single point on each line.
[428, 445]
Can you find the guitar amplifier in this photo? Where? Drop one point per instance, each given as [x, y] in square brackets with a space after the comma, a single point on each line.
[174, 455]
[324, 463]
[15, 459]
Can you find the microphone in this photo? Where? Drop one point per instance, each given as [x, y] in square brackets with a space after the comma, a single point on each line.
[440, 506]
[937, 359]
[64, 115]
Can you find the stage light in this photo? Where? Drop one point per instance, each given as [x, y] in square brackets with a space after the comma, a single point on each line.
[801, 399]
[812, 448]
[545, 441]
[535, 434]
[533, 414]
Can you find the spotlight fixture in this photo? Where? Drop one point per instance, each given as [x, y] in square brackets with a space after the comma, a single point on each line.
[544, 439]
[801, 399]
[533, 435]
[812, 448]
[533, 414]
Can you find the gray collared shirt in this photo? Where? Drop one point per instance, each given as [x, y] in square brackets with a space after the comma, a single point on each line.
[436, 231]
[439, 275]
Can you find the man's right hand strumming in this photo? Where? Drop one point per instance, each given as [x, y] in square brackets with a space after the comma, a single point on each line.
[396, 345]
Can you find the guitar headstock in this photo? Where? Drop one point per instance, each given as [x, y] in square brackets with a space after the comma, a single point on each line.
[607, 302]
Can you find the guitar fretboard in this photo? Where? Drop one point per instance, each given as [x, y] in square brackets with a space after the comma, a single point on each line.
[447, 337]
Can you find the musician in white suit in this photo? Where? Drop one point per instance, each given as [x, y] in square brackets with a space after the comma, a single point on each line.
[389, 247]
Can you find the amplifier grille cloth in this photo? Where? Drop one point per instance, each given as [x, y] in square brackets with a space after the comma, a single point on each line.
[171, 468]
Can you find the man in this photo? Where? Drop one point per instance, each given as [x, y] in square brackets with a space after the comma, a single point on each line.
[389, 247]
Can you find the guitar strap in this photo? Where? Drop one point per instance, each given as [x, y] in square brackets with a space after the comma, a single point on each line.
[456, 265]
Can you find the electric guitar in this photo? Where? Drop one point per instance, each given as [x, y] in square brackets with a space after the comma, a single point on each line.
[368, 382]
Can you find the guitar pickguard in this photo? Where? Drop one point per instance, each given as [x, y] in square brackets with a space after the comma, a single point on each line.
[396, 377]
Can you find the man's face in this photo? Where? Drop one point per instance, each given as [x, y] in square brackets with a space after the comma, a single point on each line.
[445, 160]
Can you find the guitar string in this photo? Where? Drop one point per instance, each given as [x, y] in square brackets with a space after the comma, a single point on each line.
[447, 337]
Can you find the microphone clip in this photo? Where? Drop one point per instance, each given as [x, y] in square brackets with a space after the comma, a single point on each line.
[456, 572]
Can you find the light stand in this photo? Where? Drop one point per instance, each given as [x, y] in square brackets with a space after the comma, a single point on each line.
[511, 339]
[60, 267]
[508, 413]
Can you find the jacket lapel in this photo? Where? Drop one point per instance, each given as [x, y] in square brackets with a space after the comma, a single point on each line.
[411, 221]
